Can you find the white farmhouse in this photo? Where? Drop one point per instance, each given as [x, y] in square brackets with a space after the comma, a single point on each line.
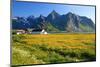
[20, 32]
[43, 32]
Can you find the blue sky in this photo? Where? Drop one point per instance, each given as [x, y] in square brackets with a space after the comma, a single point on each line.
[26, 9]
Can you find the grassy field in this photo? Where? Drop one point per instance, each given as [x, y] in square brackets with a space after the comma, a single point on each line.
[52, 48]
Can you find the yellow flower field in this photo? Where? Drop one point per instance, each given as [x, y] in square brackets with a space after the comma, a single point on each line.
[52, 48]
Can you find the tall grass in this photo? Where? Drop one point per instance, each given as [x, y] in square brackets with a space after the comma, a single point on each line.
[52, 48]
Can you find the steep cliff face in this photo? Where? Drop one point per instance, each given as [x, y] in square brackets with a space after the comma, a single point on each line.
[69, 22]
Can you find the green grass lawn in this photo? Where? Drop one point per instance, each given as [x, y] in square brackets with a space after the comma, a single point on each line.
[52, 48]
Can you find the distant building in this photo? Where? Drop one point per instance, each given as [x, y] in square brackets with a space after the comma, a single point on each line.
[20, 32]
[30, 31]
[43, 32]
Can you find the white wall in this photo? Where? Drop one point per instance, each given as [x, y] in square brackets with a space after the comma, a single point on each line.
[5, 33]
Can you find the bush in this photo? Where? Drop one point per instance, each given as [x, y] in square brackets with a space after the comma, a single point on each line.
[13, 32]
[54, 58]
[18, 38]
[88, 56]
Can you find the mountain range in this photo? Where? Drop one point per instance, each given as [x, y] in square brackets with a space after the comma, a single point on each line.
[54, 22]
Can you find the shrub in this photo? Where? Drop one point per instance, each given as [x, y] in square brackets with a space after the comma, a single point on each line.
[88, 56]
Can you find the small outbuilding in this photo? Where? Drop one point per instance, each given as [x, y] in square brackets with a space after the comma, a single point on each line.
[20, 31]
[43, 32]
